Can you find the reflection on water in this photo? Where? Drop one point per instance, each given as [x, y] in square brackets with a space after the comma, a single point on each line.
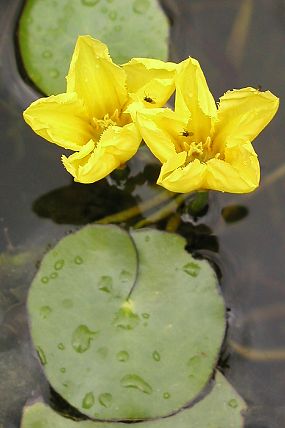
[238, 44]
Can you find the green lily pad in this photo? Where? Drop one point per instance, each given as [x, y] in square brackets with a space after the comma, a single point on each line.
[221, 408]
[119, 348]
[48, 30]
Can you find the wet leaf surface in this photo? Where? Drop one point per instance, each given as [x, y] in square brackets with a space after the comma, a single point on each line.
[48, 30]
[132, 325]
[221, 408]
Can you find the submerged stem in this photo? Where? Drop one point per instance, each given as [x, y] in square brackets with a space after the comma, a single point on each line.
[163, 212]
[134, 211]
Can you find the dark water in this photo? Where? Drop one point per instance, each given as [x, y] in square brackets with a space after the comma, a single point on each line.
[239, 43]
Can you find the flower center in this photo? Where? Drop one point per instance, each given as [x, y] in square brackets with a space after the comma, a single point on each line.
[100, 125]
[203, 151]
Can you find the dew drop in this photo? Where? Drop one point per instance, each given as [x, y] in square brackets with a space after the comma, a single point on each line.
[105, 399]
[42, 355]
[146, 315]
[45, 311]
[192, 269]
[113, 15]
[45, 279]
[89, 3]
[141, 6]
[125, 276]
[166, 395]
[59, 264]
[123, 356]
[88, 401]
[81, 338]
[117, 28]
[233, 403]
[54, 73]
[135, 381]
[53, 275]
[67, 303]
[156, 356]
[63, 370]
[47, 54]
[78, 260]
[106, 284]
[61, 346]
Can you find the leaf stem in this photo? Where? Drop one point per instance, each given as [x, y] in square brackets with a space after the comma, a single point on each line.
[134, 211]
[163, 212]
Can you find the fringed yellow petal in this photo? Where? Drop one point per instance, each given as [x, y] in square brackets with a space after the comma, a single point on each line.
[77, 160]
[96, 79]
[238, 173]
[94, 162]
[194, 99]
[243, 114]
[159, 129]
[150, 81]
[60, 119]
[122, 142]
[182, 179]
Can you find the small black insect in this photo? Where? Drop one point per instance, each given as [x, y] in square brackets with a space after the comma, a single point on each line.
[185, 133]
[149, 100]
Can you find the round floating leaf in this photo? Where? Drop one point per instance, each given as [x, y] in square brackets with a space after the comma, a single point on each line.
[221, 408]
[48, 30]
[120, 351]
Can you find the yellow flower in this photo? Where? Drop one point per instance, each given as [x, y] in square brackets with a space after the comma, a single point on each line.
[202, 146]
[91, 117]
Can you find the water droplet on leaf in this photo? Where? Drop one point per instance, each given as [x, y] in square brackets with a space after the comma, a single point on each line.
[192, 269]
[59, 264]
[78, 260]
[106, 284]
[53, 275]
[135, 381]
[166, 395]
[146, 315]
[54, 73]
[63, 369]
[81, 338]
[156, 356]
[123, 356]
[105, 399]
[44, 279]
[61, 346]
[125, 276]
[88, 401]
[233, 403]
[45, 311]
